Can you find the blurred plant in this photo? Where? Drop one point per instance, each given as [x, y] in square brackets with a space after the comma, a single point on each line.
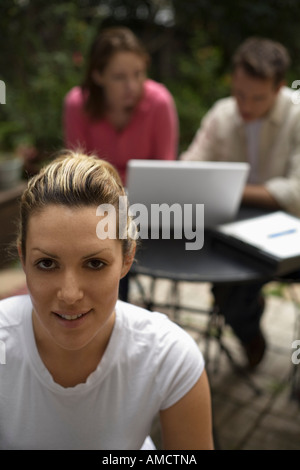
[46, 46]
[228, 23]
[210, 32]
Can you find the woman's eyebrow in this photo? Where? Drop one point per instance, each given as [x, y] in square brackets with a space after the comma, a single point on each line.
[90, 255]
[99, 252]
[51, 255]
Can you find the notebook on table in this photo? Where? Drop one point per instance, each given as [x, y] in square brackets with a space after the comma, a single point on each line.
[274, 238]
[218, 186]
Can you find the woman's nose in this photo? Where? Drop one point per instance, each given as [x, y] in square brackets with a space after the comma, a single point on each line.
[70, 289]
[132, 84]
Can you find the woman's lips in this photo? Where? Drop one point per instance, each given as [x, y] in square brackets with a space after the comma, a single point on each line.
[71, 316]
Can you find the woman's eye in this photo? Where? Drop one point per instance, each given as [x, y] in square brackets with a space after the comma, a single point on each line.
[95, 264]
[46, 264]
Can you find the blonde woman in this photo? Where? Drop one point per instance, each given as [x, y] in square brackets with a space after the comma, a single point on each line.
[83, 369]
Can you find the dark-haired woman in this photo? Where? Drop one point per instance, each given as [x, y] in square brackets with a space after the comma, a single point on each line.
[118, 113]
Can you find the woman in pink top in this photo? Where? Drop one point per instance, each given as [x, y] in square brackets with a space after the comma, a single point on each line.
[118, 113]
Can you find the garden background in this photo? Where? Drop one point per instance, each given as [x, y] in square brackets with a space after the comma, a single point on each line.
[44, 45]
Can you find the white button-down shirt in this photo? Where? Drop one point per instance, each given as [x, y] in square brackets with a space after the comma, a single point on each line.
[222, 137]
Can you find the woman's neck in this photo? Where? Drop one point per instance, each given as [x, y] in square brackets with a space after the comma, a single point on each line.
[120, 117]
[69, 368]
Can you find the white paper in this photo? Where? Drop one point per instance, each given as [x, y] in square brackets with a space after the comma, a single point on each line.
[277, 234]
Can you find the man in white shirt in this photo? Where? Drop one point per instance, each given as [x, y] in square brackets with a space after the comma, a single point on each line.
[259, 123]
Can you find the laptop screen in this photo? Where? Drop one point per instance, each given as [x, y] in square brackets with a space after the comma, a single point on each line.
[174, 185]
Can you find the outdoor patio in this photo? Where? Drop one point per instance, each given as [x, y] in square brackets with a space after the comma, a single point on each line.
[243, 418]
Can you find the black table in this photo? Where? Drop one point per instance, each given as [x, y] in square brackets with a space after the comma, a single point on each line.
[214, 263]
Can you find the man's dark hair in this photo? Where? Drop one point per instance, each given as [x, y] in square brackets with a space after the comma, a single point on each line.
[262, 58]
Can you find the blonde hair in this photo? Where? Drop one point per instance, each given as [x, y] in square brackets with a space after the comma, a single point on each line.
[72, 179]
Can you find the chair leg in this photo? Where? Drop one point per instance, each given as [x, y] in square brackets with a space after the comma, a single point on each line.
[215, 331]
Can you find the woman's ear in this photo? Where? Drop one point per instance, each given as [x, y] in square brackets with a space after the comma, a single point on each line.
[21, 256]
[128, 260]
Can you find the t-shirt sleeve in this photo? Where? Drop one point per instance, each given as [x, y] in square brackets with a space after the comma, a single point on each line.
[181, 364]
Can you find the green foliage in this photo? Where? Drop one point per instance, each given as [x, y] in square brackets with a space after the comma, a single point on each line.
[198, 84]
[48, 59]
[229, 23]
[44, 45]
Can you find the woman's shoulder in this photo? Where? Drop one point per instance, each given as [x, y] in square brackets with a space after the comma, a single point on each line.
[12, 309]
[75, 97]
[153, 327]
[136, 317]
[170, 355]
[157, 92]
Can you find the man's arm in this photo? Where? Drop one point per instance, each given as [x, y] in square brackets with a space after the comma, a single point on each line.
[259, 196]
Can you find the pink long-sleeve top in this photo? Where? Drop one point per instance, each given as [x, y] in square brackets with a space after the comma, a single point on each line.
[152, 132]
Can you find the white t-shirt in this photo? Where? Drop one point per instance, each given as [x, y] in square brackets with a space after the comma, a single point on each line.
[149, 364]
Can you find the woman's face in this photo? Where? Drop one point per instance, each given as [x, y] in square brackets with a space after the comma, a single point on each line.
[122, 80]
[72, 277]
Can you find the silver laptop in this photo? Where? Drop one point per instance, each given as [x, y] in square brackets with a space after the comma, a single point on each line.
[218, 186]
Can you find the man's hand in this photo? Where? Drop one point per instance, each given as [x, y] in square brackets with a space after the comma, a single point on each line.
[259, 196]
